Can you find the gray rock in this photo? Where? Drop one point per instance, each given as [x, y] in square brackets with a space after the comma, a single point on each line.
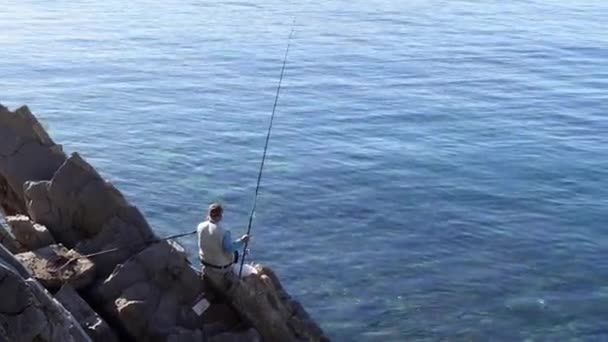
[136, 308]
[28, 312]
[185, 335]
[220, 312]
[54, 215]
[115, 234]
[9, 241]
[249, 335]
[10, 202]
[17, 310]
[54, 266]
[261, 300]
[89, 320]
[26, 154]
[28, 233]
[81, 209]
[152, 294]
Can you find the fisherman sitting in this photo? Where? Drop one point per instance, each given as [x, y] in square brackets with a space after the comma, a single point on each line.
[216, 248]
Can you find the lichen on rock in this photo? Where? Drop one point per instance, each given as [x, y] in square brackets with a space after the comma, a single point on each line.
[55, 265]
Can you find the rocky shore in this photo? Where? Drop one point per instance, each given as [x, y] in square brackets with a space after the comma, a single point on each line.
[58, 210]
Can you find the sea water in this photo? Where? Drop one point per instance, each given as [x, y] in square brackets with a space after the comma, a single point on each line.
[437, 169]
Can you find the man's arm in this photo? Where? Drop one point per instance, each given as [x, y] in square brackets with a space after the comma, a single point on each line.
[200, 241]
[232, 245]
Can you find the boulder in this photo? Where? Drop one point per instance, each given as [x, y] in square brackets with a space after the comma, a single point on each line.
[9, 241]
[214, 335]
[185, 335]
[55, 265]
[89, 320]
[27, 153]
[16, 310]
[249, 335]
[261, 300]
[28, 312]
[28, 233]
[152, 294]
[221, 312]
[82, 210]
[115, 235]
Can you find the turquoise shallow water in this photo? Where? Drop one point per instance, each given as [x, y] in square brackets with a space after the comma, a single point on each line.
[437, 170]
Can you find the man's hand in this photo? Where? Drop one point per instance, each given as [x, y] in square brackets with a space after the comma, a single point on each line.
[245, 238]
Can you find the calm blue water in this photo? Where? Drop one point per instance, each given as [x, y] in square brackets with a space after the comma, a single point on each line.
[437, 170]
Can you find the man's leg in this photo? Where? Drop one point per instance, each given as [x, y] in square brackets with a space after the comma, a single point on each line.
[216, 278]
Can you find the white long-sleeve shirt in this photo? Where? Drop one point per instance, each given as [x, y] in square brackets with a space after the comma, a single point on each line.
[227, 244]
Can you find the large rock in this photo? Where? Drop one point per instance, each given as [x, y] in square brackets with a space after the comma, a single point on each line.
[9, 241]
[89, 320]
[55, 265]
[249, 335]
[185, 335]
[82, 210]
[28, 312]
[152, 294]
[29, 234]
[221, 313]
[117, 235]
[262, 301]
[27, 153]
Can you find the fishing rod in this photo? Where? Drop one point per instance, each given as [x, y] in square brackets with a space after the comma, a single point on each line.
[257, 188]
[274, 108]
[112, 250]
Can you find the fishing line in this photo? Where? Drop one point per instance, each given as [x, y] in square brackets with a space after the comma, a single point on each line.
[274, 108]
[257, 187]
[143, 245]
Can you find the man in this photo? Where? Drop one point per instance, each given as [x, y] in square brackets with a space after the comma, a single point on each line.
[216, 247]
